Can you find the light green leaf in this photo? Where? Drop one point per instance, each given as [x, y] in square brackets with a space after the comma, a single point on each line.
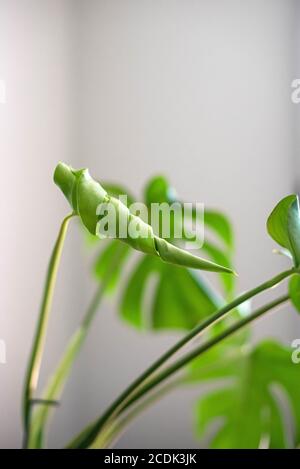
[182, 299]
[246, 406]
[284, 226]
[219, 256]
[221, 225]
[294, 291]
[132, 305]
[219, 363]
[106, 258]
[158, 190]
[86, 195]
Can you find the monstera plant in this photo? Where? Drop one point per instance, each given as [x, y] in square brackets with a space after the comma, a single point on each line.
[181, 299]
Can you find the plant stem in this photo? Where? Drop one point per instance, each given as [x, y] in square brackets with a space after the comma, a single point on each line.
[59, 377]
[180, 363]
[171, 370]
[40, 335]
[107, 438]
[56, 384]
[121, 402]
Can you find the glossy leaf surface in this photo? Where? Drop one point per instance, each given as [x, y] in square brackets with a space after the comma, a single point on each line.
[284, 226]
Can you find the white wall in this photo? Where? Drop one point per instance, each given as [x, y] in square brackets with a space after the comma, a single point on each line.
[197, 90]
[35, 132]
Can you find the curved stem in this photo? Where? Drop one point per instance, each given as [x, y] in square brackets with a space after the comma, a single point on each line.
[117, 406]
[40, 335]
[111, 432]
[175, 367]
[58, 379]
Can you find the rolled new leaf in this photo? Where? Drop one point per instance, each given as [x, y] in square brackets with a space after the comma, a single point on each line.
[91, 203]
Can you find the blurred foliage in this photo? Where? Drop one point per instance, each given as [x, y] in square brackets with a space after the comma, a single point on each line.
[181, 296]
[245, 404]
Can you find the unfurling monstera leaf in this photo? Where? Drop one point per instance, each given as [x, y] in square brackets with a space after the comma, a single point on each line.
[247, 411]
[89, 201]
[180, 297]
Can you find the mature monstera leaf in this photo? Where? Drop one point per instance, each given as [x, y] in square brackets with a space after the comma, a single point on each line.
[284, 226]
[180, 297]
[246, 408]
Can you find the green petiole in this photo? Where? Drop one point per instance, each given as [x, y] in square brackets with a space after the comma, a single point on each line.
[63, 369]
[34, 365]
[118, 426]
[87, 437]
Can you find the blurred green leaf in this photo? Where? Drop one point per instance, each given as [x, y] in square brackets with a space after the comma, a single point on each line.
[218, 363]
[132, 306]
[221, 225]
[294, 291]
[219, 256]
[106, 258]
[284, 226]
[249, 412]
[158, 190]
[181, 298]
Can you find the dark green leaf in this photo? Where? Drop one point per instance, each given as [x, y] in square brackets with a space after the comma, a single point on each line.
[284, 226]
